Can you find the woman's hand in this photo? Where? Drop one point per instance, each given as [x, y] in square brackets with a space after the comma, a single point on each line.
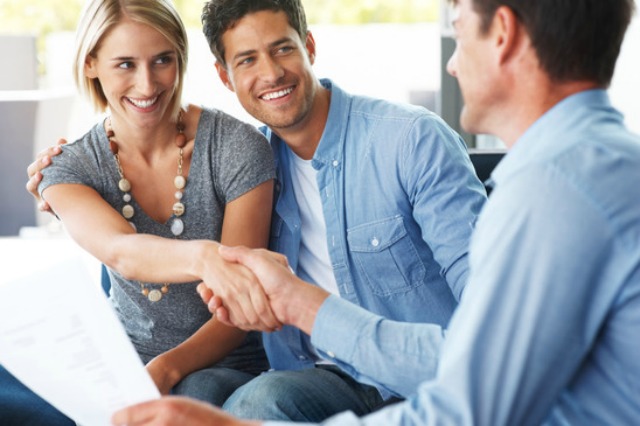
[162, 374]
[236, 288]
[292, 300]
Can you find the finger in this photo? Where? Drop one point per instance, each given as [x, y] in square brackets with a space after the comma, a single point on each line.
[262, 307]
[44, 207]
[254, 313]
[261, 314]
[205, 293]
[37, 166]
[43, 158]
[222, 315]
[214, 304]
[33, 182]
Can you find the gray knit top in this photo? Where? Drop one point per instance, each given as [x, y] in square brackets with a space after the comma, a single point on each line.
[229, 158]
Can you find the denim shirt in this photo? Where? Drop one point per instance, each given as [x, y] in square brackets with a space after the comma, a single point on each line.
[400, 199]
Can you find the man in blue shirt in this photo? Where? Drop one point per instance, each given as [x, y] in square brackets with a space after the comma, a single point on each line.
[357, 210]
[547, 329]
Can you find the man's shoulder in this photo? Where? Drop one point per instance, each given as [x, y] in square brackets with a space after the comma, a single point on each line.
[384, 107]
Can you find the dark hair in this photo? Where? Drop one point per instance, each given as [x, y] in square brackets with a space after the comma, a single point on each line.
[573, 39]
[220, 15]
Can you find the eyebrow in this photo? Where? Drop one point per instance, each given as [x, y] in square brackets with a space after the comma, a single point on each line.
[130, 58]
[250, 52]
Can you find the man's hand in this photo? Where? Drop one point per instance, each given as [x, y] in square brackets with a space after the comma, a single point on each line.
[176, 411]
[245, 302]
[292, 300]
[43, 159]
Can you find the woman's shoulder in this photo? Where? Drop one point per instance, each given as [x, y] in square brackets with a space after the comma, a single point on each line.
[93, 143]
[220, 120]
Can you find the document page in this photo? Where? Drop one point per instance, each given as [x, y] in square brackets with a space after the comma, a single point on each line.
[60, 337]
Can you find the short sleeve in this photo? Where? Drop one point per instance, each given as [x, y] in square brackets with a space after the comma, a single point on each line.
[243, 157]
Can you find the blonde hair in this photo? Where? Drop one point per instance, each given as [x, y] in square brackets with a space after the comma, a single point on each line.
[100, 16]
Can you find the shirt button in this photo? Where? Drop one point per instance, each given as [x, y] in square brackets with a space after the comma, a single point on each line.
[335, 163]
[375, 242]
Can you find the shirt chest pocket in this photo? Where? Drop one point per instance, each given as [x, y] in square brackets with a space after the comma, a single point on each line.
[385, 256]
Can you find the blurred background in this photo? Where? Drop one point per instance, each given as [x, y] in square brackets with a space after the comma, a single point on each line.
[391, 49]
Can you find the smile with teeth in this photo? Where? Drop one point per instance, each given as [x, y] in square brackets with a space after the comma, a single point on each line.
[143, 103]
[278, 94]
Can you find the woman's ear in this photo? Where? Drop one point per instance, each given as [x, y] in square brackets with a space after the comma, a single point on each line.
[90, 67]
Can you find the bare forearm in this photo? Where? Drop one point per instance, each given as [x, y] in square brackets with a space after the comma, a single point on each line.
[154, 259]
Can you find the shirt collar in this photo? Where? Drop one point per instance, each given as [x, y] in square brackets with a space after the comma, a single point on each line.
[551, 133]
[331, 143]
[332, 139]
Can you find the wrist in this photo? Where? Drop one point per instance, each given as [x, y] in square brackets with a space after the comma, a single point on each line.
[168, 368]
[302, 309]
[202, 262]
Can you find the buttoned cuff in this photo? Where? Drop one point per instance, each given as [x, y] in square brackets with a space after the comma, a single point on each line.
[337, 323]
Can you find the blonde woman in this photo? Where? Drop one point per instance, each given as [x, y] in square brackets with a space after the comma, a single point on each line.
[150, 191]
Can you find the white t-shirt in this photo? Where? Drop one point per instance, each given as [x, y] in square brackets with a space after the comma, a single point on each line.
[314, 264]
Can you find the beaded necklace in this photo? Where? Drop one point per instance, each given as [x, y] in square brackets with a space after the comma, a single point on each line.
[178, 209]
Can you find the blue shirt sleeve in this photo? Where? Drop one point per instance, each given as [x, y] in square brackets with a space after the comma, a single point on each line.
[445, 193]
[395, 356]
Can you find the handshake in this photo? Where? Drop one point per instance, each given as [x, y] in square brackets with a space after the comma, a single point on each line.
[275, 296]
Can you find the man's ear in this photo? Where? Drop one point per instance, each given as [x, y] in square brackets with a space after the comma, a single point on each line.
[224, 76]
[506, 30]
[310, 44]
[90, 67]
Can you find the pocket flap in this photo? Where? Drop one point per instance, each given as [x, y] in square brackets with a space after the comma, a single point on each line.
[376, 236]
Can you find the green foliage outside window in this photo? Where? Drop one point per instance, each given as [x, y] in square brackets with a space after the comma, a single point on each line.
[41, 17]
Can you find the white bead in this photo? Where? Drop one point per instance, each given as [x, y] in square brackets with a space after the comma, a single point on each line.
[126, 197]
[128, 211]
[178, 209]
[180, 182]
[178, 195]
[154, 295]
[177, 227]
[124, 185]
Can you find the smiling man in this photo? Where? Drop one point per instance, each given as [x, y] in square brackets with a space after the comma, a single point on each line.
[375, 203]
[546, 332]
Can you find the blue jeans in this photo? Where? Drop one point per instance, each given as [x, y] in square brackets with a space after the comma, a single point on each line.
[19, 406]
[213, 385]
[310, 395]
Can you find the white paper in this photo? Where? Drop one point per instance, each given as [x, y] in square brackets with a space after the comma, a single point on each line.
[60, 337]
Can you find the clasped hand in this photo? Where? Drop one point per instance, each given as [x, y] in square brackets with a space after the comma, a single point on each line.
[244, 308]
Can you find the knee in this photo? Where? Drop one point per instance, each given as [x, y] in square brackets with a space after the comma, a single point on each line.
[267, 397]
[208, 385]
